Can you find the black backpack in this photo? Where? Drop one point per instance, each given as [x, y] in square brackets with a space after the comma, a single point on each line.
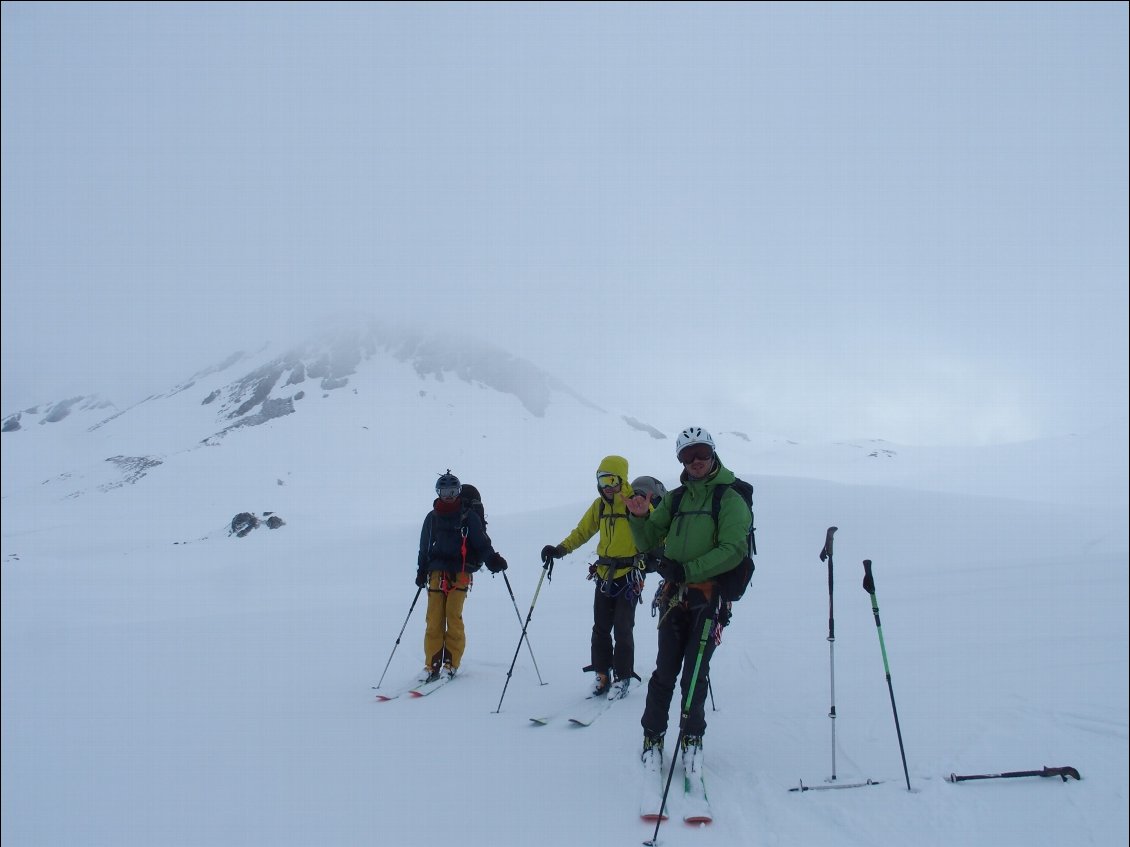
[733, 583]
[472, 501]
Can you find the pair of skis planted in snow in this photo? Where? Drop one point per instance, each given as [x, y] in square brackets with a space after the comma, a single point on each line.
[695, 802]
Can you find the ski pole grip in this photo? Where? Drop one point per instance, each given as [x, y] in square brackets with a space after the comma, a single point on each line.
[826, 553]
[868, 580]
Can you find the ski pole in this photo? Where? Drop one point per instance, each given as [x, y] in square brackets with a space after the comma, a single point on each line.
[527, 637]
[683, 717]
[826, 553]
[1063, 773]
[397, 644]
[869, 587]
[546, 568]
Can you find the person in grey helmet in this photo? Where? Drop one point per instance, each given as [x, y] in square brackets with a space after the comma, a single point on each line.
[695, 552]
[453, 544]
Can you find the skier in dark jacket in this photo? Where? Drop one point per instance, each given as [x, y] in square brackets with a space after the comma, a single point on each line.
[453, 545]
[695, 552]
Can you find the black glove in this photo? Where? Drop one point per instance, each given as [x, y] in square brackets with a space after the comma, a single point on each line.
[550, 552]
[421, 577]
[670, 570]
[651, 562]
[496, 564]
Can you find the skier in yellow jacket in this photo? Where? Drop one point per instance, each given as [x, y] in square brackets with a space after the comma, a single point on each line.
[618, 574]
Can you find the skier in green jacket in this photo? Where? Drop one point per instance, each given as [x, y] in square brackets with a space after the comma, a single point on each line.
[696, 551]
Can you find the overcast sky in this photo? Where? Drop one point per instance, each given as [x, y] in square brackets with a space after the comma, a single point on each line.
[897, 221]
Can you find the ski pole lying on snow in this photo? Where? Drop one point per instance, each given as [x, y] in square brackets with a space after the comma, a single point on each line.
[1063, 773]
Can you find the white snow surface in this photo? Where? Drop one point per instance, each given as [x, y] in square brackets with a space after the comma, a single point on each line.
[165, 683]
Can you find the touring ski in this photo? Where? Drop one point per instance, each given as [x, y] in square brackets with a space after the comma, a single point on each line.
[696, 804]
[431, 686]
[587, 709]
[597, 706]
[383, 696]
[415, 688]
[589, 712]
[651, 786]
[581, 705]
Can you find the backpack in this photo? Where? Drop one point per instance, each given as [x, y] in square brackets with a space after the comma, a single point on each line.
[733, 583]
[472, 501]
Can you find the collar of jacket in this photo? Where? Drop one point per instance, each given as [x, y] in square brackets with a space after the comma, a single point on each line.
[445, 508]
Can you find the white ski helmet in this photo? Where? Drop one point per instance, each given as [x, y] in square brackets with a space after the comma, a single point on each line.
[693, 435]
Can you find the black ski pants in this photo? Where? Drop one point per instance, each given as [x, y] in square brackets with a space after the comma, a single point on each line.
[613, 617]
[680, 638]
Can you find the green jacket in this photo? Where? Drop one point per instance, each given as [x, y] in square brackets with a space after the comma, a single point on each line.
[692, 540]
[610, 520]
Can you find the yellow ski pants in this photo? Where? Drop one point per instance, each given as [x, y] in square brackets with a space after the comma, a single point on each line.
[445, 638]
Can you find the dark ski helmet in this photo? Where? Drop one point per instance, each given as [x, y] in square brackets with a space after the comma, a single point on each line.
[448, 485]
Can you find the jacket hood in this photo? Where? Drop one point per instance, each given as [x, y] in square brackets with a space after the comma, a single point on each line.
[618, 466]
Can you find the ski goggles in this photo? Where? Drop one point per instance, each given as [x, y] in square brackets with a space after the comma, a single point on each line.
[608, 480]
[448, 492]
[696, 453]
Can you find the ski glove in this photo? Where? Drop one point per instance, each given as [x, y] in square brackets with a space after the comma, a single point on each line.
[670, 570]
[496, 564]
[421, 578]
[550, 552]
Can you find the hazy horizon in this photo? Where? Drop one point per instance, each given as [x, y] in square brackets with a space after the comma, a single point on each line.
[902, 221]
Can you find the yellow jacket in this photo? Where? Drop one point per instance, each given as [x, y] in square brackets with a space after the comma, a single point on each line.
[610, 519]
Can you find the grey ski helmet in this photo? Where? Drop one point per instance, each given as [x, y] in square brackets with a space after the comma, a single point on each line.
[649, 486]
[448, 485]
